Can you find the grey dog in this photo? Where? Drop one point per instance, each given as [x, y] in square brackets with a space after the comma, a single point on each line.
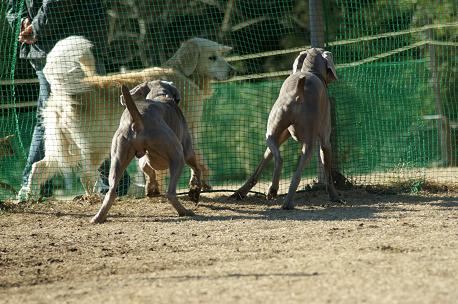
[301, 111]
[153, 129]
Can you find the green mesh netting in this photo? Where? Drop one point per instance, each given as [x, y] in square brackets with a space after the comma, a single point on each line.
[395, 104]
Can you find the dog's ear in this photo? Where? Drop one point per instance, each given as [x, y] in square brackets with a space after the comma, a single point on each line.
[297, 65]
[331, 69]
[186, 58]
[138, 93]
[224, 48]
[300, 90]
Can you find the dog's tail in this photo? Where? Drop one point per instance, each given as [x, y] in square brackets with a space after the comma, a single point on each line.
[68, 63]
[137, 125]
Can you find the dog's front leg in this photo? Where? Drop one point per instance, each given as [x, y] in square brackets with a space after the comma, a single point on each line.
[195, 185]
[41, 171]
[206, 172]
[326, 157]
[152, 187]
[253, 180]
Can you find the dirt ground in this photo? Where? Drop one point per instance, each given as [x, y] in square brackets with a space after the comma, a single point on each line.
[379, 248]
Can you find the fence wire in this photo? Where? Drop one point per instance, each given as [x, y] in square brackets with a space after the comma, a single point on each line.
[395, 106]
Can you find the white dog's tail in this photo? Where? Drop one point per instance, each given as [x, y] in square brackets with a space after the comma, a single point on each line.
[68, 63]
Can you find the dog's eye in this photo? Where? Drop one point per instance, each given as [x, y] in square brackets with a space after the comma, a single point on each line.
[212, 58]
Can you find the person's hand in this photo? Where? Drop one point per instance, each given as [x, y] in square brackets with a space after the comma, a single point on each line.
[25, 23]
[26, 34]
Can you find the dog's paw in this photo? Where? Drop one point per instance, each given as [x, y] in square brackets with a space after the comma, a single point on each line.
[88, 198]
[335, 199]
[23, 194]
[98, 220]
[206, 186]
[186, 212]
[272, 193]
[237, 195]
[152, 192]
[26, 194]
[287, 206]
[338, 201]
[194, 194]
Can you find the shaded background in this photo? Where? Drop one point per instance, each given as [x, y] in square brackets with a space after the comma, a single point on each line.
[396, 106]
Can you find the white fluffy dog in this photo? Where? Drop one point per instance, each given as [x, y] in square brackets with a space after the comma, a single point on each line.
[83, 110]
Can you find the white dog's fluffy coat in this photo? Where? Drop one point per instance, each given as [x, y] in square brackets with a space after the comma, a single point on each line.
[83, 110]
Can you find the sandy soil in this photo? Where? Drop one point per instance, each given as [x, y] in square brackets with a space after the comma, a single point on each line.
[380, 248]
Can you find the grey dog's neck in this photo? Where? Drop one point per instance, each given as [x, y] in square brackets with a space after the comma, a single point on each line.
[309, 67]
[321, 78]
[312, 71]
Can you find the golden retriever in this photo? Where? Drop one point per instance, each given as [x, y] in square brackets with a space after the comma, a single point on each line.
[83, 110]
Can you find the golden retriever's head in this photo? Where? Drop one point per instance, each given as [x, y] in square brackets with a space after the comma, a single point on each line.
[202, 57]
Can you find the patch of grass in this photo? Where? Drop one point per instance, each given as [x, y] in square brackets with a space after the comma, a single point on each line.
[412, 186]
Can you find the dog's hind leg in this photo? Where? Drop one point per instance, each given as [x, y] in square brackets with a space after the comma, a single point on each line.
[274, 149]
[176, 167]
[253, 179]
[306, 154]
[121, 157]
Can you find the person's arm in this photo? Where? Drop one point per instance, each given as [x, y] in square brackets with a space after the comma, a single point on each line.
[13, 15]
[44, 18]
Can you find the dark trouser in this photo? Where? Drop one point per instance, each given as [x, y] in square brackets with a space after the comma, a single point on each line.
[36, 151]
[104, 169]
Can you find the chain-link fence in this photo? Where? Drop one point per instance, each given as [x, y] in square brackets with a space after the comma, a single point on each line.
[395, 106]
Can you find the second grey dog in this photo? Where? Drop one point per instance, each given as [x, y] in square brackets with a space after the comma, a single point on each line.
[301, 111]
[154, 130]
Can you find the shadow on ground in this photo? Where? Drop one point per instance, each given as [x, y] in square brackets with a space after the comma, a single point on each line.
[310, 206]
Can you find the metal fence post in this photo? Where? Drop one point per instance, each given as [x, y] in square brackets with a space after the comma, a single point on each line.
[316, 23]
[317, 40]
[444, 127]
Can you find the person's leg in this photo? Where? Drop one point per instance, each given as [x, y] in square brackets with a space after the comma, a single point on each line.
[36, 151]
